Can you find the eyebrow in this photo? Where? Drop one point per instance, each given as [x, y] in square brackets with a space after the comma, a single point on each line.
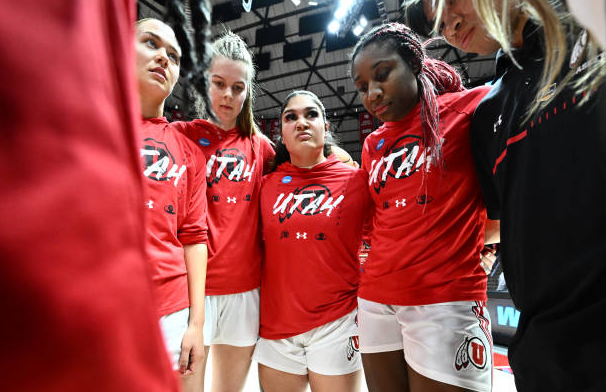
[156, 36]
[375, 65]
[307, 108]
[222, 78]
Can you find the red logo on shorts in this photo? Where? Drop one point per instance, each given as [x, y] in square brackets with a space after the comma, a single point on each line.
[353, 347]
[473, 351]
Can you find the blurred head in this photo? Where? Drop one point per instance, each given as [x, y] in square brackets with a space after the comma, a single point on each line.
[304, 128]
[460, 25]
[231, 83]
[158, 56]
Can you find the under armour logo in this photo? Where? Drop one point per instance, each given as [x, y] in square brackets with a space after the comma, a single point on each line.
[401, 203]
[499, 122]
[150, 204]
[301, 235]
[231, 199]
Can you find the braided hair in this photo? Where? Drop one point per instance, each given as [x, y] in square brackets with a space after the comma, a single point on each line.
[190, 20]
[434, 78]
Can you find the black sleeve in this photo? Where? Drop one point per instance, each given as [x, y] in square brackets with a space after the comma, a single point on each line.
[481, 149]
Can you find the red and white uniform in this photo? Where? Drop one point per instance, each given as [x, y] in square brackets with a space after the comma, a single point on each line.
[428, 228]
[75, 289]
[312, 227]
[235, 167]
[175, 201]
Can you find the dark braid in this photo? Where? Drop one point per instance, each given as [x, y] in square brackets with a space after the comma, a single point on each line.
[190, 20]
[435, 77]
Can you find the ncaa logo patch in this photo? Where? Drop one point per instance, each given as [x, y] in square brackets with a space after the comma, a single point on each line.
[471, 351]
[380, 144]
[204, 142]
[286, 179]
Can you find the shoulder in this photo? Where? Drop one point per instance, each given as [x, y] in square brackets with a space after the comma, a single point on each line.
[266, 145]
[463, 102]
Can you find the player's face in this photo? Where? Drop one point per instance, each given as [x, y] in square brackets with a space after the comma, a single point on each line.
[461, 26]
[385, 82]
[303, 126]
[228, 89]
[158, 56]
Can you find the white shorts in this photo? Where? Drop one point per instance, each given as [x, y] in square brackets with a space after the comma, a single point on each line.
[331, 349]
[173, 328]
[232, 319]
[447, 342]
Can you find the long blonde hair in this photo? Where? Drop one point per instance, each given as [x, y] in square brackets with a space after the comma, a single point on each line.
[232, 47]
[556, 22]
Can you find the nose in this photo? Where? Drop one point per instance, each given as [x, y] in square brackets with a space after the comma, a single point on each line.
[162, 57]
[301, 123]
[227, 92]
[451, 24]
[375, 92]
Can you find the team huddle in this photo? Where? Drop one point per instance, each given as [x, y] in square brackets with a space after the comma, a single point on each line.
[254, 248]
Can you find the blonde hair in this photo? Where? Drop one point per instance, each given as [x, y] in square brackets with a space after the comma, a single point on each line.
[232, 47]
[556, 23]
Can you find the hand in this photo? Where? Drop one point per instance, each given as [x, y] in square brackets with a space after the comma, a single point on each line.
[192, 351]
[487, 259]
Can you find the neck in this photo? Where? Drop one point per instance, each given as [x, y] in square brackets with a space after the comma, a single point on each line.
[517, 36]
[223, 125]
[307, 161]
[151, 109]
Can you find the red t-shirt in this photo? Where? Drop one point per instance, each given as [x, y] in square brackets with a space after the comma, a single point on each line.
[175, 201]
[312, 227]
[75, 288]
[235, 167]
[428, 228]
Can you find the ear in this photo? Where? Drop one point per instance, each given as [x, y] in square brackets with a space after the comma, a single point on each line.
[415, 68]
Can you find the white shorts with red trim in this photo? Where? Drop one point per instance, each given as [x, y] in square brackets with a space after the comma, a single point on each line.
[173, 328]
[330, 349]
[232, 319]
[447, 342]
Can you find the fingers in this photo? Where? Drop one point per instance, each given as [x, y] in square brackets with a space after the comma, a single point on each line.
[185, 367]
[487, 259]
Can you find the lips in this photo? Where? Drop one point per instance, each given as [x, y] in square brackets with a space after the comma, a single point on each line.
[159, 71]
[380, 109]
[467, 38]
[304, 136]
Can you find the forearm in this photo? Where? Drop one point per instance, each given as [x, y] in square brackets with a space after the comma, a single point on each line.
[492, 232]
[195, 262]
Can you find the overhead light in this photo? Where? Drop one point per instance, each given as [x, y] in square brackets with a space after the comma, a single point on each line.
[363, 21]
[345, 14]
[340, 13]
[333, 27]
[358, 30]
[296, 2]
[312, 3]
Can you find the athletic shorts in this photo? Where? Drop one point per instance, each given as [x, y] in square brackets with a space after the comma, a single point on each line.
[331, 349]
[173, 327]
[447, 342]
[232, 319]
